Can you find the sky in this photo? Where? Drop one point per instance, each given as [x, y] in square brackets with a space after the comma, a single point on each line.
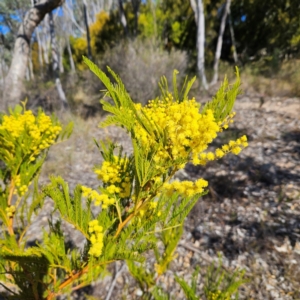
[3, 29]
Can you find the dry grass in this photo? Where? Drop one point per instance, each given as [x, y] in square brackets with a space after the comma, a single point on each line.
[281, 82]
[141, 64]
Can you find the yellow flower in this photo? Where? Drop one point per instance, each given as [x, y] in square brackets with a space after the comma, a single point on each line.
[40, 131]
[115, 175]
[96, 238]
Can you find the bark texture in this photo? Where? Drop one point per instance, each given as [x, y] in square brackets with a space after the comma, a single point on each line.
[123, 19]
[201, 42]
[13, 82]
[72, 64]
[55, 63]
[88, 38]
[220, 42]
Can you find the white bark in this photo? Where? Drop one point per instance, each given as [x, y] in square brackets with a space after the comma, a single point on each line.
[1, 75]
[27, 76]
[72, 64]
[70, 14]
[220, 42]
[109, 5]
[45, 41]
[55, 63]
[17, 71]
[40, 50]
[201, 42]
[61, 51]
[194, 8]
[123, 19]
[30, 67]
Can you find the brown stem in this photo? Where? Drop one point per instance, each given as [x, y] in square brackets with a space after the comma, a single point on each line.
[71, 279]
[139, 206]
[68, 281]
[123, 224]
[11, 192]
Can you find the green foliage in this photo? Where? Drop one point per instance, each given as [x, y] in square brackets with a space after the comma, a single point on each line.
[140, 213]
[222, 103]
[266, 26]
[70, 208]
[220, 284]
[170, 21]
[189, 290]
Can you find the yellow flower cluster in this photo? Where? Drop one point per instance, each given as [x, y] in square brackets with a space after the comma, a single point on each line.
[10, 211]
[186, 188]
[21, 188]
[150, 207]
[228, 120]
[116, 177]
[103, 199]
[215, 295]
[233, 146]
[40, 129]
[96, 238]
[188, 131]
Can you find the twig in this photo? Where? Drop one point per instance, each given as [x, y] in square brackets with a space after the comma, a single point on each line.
[8, 289]
[204, 256]
[196, 250]
[113, 283]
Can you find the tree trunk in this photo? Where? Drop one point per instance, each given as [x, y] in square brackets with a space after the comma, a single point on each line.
[72, 65]
[201, 43]
[41, 63]
[220, 43]
[27, 75]
[61, 51]
[235, 57]
[68, 11]
[136, 7]
[194, 8]
[46, 41]
[30, 65]
[123, 19]
[87, 30]
[14, 80]
[55, 63]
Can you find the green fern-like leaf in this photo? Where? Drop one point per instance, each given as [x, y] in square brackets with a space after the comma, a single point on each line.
[188, 290]
[223, 102]
[70, 208]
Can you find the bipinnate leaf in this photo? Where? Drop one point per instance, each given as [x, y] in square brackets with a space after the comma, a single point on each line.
[70, 208]
[223, 101]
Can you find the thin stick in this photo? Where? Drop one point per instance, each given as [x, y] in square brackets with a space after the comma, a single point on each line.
[8, 289]
[113, 283]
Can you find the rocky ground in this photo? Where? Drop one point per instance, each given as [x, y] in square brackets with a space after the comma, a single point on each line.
[251, 215]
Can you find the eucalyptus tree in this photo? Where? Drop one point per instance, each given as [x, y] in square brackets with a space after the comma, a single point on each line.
[55, 62]
[14, 80]
[226, 9]
[197, 6]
